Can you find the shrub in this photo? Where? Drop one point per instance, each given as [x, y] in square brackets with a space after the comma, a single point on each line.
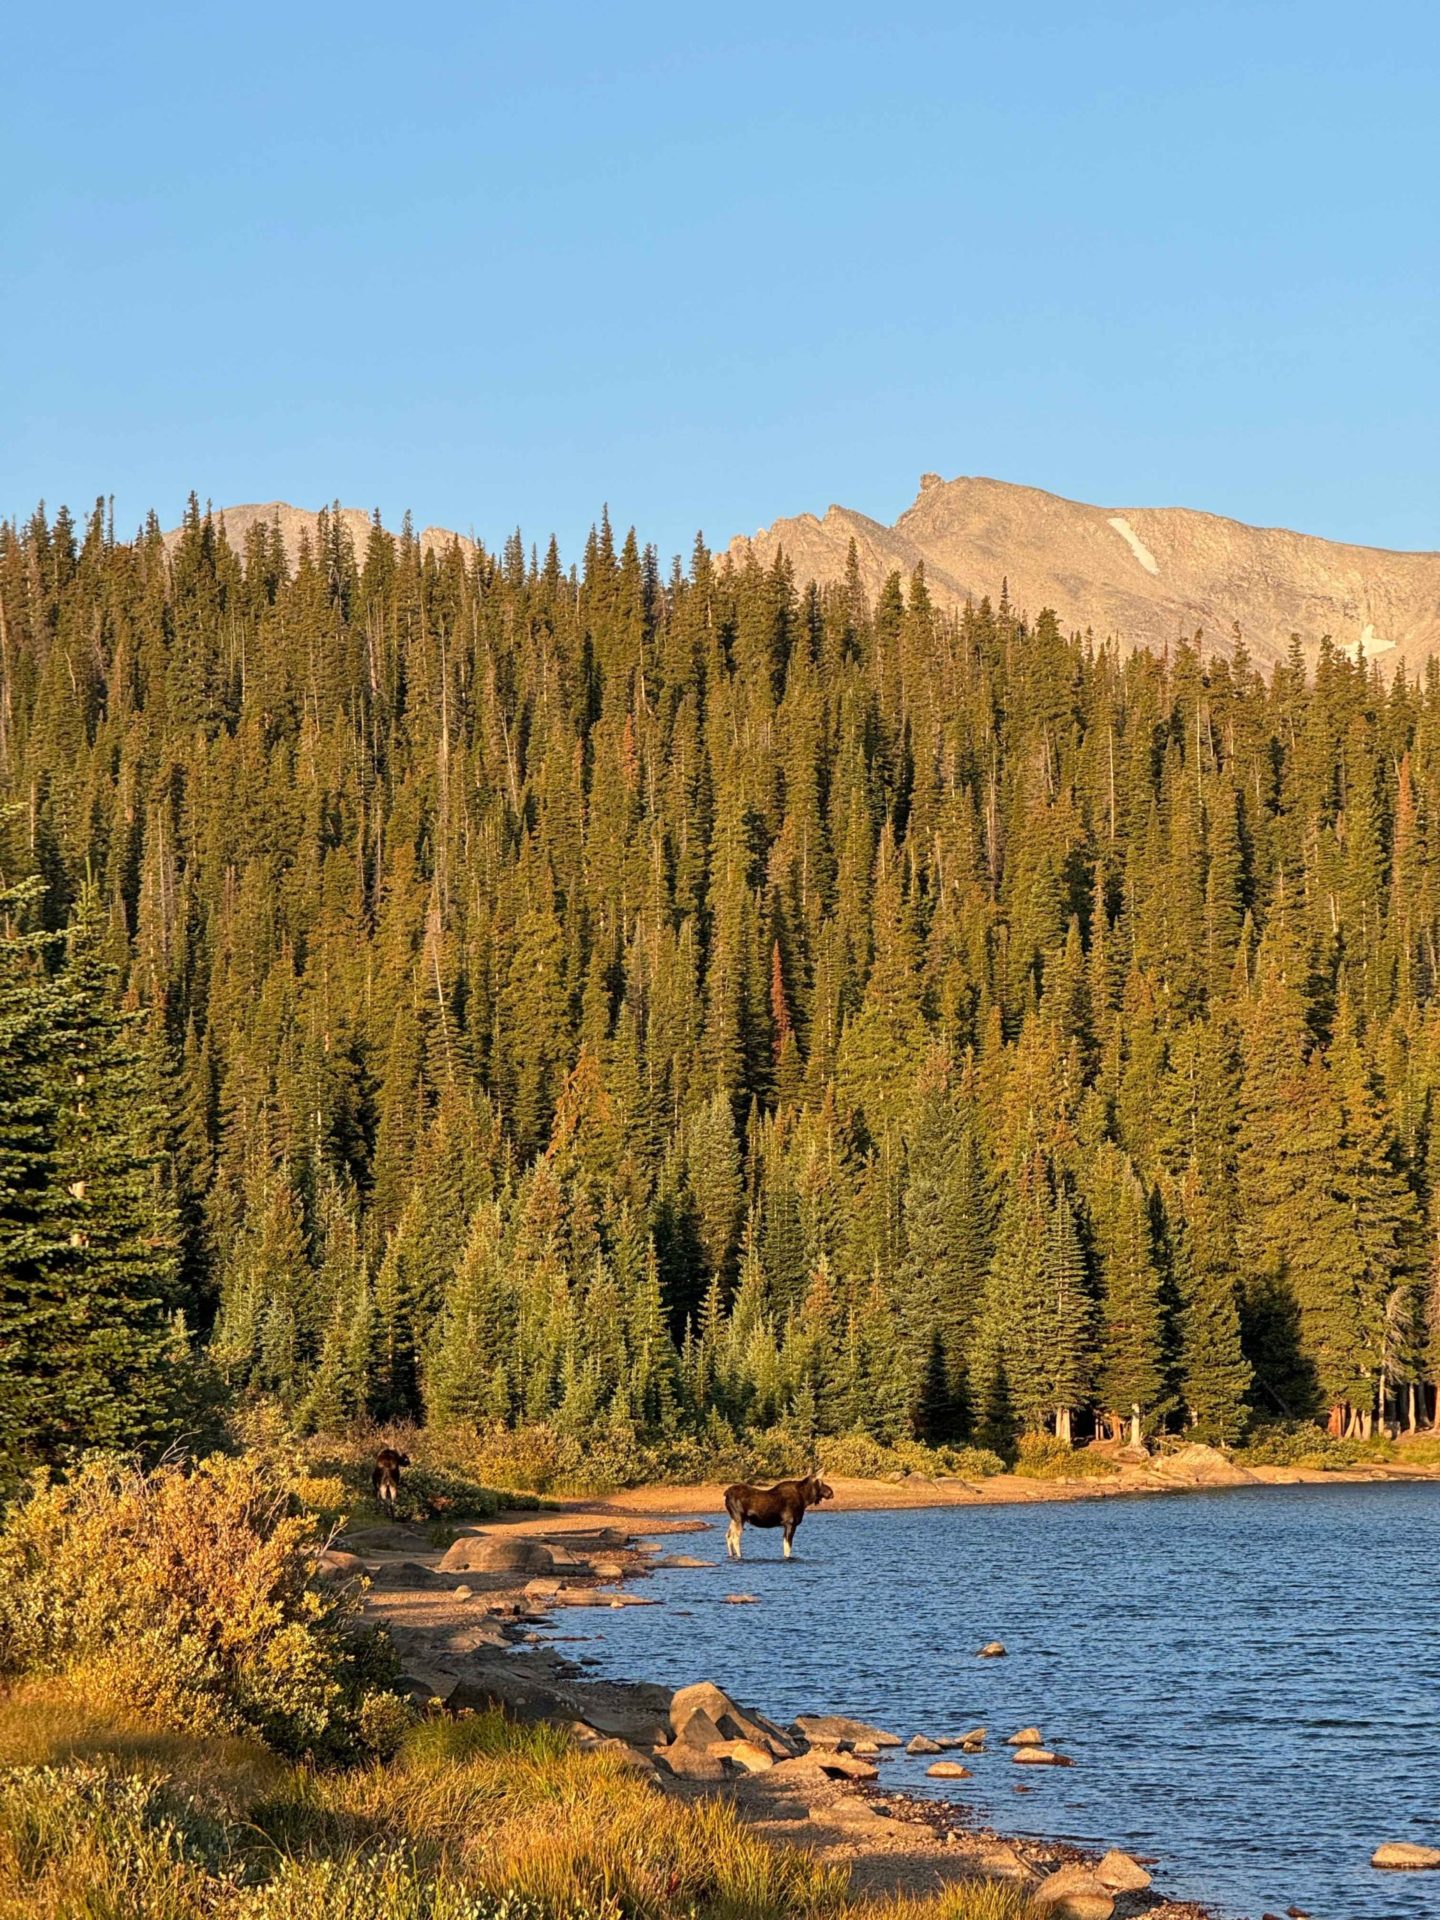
[188, 1595]
[1040, 1456]
[1297, 1443]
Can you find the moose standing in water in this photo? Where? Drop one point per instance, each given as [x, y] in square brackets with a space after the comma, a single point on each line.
[782, 1505]
[385, 1475]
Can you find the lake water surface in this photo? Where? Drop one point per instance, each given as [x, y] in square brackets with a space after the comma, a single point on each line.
[1248, 1680]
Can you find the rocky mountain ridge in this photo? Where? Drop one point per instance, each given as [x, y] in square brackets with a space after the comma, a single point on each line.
[1147, 576]
[297, 522]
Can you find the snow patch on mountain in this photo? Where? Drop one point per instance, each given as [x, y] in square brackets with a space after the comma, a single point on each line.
[1136, 545]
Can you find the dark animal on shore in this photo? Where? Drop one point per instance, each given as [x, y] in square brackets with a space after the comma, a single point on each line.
[782, 1505]
[385, 1476]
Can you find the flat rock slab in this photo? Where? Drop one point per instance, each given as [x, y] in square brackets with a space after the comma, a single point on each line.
[1040, 1757]
[834, 1730]
[1402, 1856]
[849, 1766]
[398, 1575]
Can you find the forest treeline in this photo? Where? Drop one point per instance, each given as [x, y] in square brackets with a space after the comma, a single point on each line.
[442, 985]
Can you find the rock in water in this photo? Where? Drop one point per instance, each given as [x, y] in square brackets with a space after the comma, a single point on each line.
[1401, 1856]
[949, 1770]
[833, 1730]
[1041, 1757]
[992, 1650]
[923, 1744]
[1026, 1737]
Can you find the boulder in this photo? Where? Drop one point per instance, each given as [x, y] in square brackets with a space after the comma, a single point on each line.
[422, 1684]
[803, 1774]
[1121, 1874]
[1026, 1737]
[637, 1714]
[1402, 1856]
[1040, 1757]
[1200, 1466]
[334, 1564]
[631, 1758]
[474, 1553]
[974, 1741]
[691, 1763]
[949, 1770]
[834, 1730]
[747, 1756]
[731, 1722]
[849, 1766]
[1000, 1860]
[742, 1600]
[699, 1730]
[992, 1650]
[923, 1744]
[1073, 1893]
[856, 1817]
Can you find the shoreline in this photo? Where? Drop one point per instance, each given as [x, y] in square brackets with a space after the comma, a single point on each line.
[483, 1623]
[913, 1491]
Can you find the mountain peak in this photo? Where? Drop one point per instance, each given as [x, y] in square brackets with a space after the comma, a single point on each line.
[1145, 576]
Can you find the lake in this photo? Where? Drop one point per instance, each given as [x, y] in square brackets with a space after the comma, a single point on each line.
[1248, 1680]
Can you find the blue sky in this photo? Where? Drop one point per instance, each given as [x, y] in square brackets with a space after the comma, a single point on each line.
[501, 264]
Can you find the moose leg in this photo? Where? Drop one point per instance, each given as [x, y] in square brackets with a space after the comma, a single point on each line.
[732, 1536]
[790, 1526]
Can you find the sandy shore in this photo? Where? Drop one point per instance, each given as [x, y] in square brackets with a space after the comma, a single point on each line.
[1193, 1470]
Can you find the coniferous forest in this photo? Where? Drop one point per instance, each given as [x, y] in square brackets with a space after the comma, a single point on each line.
[451, 986]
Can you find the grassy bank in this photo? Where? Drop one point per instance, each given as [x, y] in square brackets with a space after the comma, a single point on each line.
[109, 1816]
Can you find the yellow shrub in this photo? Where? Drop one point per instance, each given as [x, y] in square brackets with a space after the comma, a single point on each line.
[188, 1595]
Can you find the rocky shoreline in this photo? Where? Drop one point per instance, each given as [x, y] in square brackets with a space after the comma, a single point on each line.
[466, 1620]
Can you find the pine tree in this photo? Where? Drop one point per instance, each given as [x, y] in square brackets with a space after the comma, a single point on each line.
[1132, 1371]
